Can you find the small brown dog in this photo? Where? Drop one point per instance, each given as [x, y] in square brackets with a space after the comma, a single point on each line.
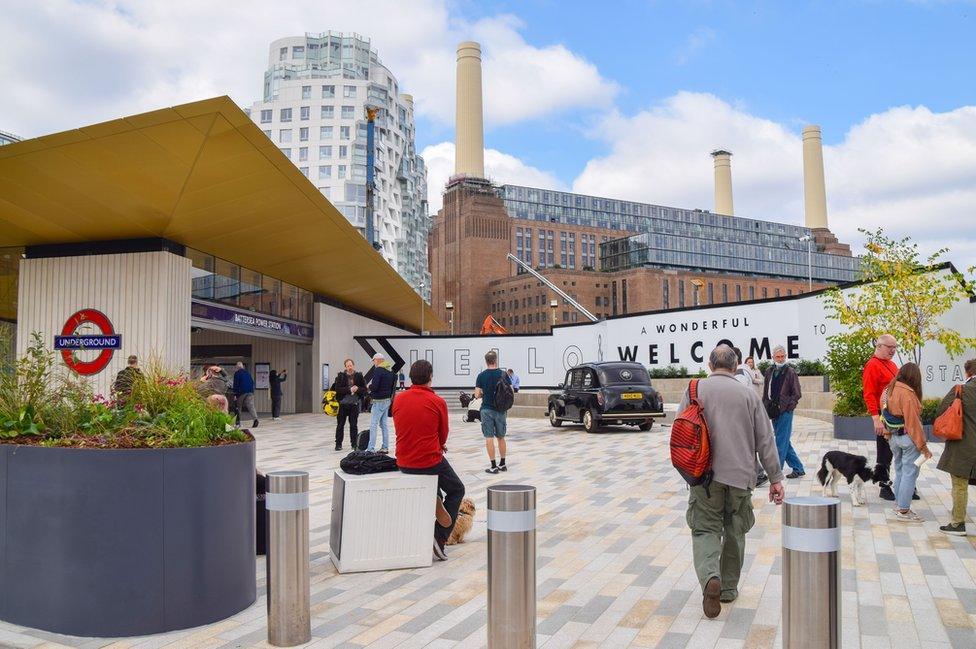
[465, 518]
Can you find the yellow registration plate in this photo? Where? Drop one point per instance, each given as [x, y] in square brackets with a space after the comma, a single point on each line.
[632, 395]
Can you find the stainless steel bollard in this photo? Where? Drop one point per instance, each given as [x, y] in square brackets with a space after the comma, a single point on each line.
[811, 573]
[289, 621]
[511, 567]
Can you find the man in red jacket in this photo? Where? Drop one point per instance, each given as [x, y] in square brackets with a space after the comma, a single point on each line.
[878, 373]
[420, 421]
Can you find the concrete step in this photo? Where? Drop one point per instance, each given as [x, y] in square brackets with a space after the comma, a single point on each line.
[821, 415]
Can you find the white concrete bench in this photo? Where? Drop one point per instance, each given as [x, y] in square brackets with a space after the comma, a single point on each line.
[382, 521]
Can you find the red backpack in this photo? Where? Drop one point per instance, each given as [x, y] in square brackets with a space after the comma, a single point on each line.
[691, 452]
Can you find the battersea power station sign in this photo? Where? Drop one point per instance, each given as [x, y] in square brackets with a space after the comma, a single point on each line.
[660, 339]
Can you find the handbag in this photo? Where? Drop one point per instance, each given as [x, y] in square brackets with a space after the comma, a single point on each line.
[772, 408]
[948, 425]
[349, 400]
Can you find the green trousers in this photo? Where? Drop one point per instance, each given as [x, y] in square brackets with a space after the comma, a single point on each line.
[719, 521]
[960, 496]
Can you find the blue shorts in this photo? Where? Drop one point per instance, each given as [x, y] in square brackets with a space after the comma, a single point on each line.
[493, 423]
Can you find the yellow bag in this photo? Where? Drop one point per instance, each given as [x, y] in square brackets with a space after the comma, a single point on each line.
[329, 404]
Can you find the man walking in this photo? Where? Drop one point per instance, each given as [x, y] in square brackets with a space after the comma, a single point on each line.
[126, 379]
[420, 419]
[879, 371]
[244, 389]
[382, 383]
[275, 379]
[349, 387]
[781, 393]
[493, 421]
[959, 457]
[720, 516]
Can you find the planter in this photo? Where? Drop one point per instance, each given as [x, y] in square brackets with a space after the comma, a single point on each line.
[112, 543]
[862, 428]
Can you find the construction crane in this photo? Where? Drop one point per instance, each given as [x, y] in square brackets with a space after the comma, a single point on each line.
[491, 326]
[371, 112]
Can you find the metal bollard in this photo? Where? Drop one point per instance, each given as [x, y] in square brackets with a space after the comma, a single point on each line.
[289, 620]
[811, 573]
[511, 567]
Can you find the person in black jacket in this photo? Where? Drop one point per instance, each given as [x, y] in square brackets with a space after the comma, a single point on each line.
[382, 384]
[275, 379]
[350, 388]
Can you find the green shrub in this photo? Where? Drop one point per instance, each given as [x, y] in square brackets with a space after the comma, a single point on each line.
[929, 408]
[41, 402]
[846, 357]
[810, 368]
[668, 372]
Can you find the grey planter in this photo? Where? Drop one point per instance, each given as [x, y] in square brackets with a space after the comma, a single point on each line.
[862, 428]
[114, 543]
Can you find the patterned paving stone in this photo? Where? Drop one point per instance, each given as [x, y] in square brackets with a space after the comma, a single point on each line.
[614, 557]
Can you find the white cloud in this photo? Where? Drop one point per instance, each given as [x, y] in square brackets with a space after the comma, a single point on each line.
[499, 167]
[68, 63]
[908, 170]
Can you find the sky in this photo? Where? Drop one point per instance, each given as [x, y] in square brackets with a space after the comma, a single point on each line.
[623, 99]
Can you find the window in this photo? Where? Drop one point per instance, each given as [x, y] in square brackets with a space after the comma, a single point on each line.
[328, 92]
[342, 172]
[306, 92]
[268, 133]
[286, 151]
[738, 292]
[303, 134]
[325, 172]
[284, 135]
[777, 292]
[576, 379]
[725, 292]
[665, 294]
[711, 294]
[266, 116]
[623, 294]
[303, 154]
[304, 113]
[283, 54]
[325, 133]
[613, 294]
[343, 132]
[325, 152]
[348, 91]
[304, 171]
[343, 151]
[298, 52]
[285, 114]
[328, 112]
[681, 292]
[789, 291]
[348, 112]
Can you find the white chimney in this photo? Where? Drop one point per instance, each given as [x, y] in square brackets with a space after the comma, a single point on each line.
[469, 144]
[814, 189]
[723, 182]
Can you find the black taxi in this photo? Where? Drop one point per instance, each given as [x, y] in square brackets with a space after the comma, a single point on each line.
[597, 394]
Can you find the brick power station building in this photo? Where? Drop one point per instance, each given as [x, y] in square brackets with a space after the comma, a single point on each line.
[613, 257]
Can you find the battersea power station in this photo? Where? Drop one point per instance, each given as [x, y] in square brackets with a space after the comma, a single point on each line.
[612, 257]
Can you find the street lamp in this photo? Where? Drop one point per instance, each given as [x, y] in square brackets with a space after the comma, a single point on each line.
[697, 283]
[421, 308]
[553, 304]
[450, 309]
[809, 241]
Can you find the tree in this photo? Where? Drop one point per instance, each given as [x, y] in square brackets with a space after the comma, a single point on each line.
[903, 295]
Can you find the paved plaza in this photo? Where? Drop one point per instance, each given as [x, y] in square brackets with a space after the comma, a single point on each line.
[614, 556]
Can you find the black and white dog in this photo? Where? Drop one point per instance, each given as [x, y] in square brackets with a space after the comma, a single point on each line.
[473, 405]
[854, 468]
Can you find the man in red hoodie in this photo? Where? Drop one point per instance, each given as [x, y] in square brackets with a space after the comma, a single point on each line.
[878, 373]
[420, 422]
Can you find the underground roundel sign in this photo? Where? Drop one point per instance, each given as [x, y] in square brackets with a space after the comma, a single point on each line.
[87, 342]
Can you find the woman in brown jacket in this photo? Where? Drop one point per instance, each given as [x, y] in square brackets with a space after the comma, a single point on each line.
[959, 457]
[901, 412]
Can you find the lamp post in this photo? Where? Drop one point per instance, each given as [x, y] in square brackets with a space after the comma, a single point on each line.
[809, 241]
[450, 309]
[697, 283]
[553, 304]
[421, 308]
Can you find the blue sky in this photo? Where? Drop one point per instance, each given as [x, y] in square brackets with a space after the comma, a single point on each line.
[829, 63]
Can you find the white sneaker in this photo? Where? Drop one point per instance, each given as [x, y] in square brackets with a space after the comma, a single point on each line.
[908, 517]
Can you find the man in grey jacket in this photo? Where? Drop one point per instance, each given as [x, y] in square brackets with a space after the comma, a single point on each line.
[721, 515]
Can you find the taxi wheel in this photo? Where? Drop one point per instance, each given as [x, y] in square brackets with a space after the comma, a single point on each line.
[554, 420]
[646, 426]
[590, 423]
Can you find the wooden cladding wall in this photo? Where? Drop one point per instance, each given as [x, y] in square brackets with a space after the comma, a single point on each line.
[145, 295]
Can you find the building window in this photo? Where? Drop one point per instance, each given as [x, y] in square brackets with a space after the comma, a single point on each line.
[266, 116]
[328, 112]
[789, 291]
[623, 294]
[325, 133]
[738, 292]
[304, 113]
[283, 54]
[681, 292]
[298, 52]
[343, 132]
[325, 152]
[725, 292]
[268, 133]
[306, 92]
[284, 135]
[613, 296]
[328, 92]
[565, 316]
[777, 292]
[348, 112]
[348, 91]
[343, 151]
[303, 134]
[765, 293]
[303, 154]
[711, 293]
[752, 292]
[285, 114]
[304, 171]
[286, 151]
[325, 172]
[342, 172]
[665, 293]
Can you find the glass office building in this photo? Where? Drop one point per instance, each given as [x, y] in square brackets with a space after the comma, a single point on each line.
[672, 237]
